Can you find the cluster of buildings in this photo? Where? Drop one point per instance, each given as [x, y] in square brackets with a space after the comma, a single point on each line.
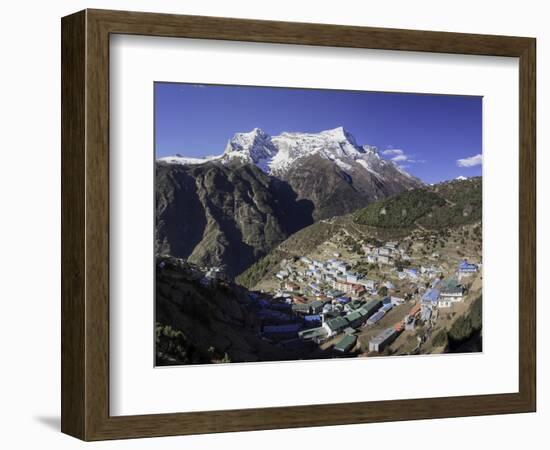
[386, 254]
[317, 278]
[324, 299]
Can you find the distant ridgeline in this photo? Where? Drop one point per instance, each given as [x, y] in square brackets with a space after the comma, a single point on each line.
[446, 204]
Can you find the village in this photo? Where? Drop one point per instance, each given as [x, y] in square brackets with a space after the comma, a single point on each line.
[368, 299]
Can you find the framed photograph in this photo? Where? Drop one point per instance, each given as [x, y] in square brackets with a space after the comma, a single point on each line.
[272, 225]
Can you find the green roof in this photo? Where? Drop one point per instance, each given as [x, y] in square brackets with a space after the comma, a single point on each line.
[346, 343]
[356, 304]
[371, 306]
[312, 333]
[451, 286]
[335, 293]
[355, 315]
[337, 323]
[451, 282]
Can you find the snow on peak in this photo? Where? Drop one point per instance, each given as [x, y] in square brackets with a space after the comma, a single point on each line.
[371, 149]
[461, 178]
[255, 147]
[276, 155]
[187, 161]
[245, 142]
[340, 134]
[335, 144]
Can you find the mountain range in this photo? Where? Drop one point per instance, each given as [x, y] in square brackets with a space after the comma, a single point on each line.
[230, 210]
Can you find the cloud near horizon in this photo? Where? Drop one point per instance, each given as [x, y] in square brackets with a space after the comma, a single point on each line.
[399, 156]
[393, 151]
[470, 161]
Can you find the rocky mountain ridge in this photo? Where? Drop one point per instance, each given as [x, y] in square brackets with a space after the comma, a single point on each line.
[230, 210]
[276, 155]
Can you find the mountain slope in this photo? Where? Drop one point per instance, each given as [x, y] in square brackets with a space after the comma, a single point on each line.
[232, 209]
[337, 189]
[225, 215]
[445, 205]
[199, 322]
[329, 168]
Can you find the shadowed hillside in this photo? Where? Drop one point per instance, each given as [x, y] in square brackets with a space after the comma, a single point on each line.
[224, 215]
[200, 321]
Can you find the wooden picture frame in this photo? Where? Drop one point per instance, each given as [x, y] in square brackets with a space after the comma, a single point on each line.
[85, 224]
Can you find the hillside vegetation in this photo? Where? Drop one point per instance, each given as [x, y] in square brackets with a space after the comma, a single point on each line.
[268, 264]
[447, 204]
[464, 204]
[401, 210]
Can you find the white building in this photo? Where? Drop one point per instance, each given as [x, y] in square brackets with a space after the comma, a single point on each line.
[371, 285]
[384, 259]
[382, 340]
[451, 291]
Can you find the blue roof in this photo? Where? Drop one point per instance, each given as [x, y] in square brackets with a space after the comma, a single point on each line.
[466, 265]
[343, 299]
[313, 318]
[376, 317]
[431, 295]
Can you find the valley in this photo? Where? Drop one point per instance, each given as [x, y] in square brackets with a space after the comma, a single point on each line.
[401, 276]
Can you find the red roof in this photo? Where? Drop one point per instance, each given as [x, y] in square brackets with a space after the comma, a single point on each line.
[415, 310]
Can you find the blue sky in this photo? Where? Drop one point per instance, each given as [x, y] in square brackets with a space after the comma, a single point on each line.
[434, 137]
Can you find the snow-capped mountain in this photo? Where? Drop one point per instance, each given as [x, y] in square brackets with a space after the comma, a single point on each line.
[231, 209]
[328, 168]
[278, 154]
[275, 155]
[255, 147]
